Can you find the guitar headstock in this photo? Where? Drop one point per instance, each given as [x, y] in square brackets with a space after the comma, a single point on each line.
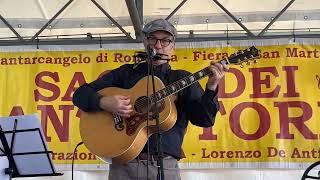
[243, 56]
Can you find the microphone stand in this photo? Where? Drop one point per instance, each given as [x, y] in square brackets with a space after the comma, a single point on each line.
[151, 57]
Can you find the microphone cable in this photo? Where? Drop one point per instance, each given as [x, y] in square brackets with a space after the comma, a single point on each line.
[74, 152]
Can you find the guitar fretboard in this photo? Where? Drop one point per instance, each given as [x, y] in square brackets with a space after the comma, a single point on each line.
[179, 85]
[182, 83]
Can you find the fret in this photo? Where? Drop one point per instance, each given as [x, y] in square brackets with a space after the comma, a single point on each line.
[183, 82]
[163, 93]
[173, 88]
[178, 85]
[200, 74]
[196, 75]
[192, 78]
[159, 95]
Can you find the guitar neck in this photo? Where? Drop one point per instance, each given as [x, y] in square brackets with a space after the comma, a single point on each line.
[182, 83]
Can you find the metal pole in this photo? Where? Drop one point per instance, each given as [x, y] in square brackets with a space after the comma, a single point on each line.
[111, 19]
[277, 16]
[53, 18]
[134, 15]
[10, 27]
[176, 9]
[234, 18]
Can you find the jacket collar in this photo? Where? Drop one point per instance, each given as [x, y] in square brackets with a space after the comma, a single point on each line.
[158, 70]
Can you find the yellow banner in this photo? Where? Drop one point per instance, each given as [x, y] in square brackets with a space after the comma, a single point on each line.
[269, 110]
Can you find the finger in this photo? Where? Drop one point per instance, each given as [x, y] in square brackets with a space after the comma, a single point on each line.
[127, 107]
[222, 67]
[125, 102]
[123, 97]
[215, 71]
[123, 115]
[125, 112]
[212, 63]
[219, 66]
[225, 67]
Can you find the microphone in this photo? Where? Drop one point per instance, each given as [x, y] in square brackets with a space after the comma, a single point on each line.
[151, 52]
[153, 55]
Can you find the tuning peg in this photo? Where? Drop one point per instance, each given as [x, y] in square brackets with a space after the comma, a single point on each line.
[241, 65]
[255, 61]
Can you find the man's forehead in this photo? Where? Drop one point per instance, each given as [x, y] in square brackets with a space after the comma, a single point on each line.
[162, 34]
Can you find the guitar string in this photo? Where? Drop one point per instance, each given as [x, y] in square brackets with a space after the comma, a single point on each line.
[177, 86]
[142, 102]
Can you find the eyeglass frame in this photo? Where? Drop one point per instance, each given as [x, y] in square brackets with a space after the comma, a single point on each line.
[161, 41]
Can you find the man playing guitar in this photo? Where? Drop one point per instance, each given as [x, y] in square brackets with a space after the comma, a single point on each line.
[191, 104]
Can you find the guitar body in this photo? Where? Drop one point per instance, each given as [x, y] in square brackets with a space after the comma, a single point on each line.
[106, 137]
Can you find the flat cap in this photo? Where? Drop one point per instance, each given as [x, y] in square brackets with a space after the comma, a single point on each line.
[159, 25]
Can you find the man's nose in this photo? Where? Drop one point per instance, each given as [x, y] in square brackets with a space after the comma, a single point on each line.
[158, 44]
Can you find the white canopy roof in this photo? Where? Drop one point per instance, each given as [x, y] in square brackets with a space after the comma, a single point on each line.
[118, 19]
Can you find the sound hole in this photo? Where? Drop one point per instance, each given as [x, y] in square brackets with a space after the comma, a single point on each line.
[140, 106]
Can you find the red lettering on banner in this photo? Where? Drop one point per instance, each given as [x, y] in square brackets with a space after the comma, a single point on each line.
[292, 52]
[273, 152]
[302, 53]
[16, 111]
[257, 82]
[77, 78]
[41, 83]
[102, 57]
[298, 153]
[291, 85]
[62, 129]
[75, 156]
[298, 122]
[235, 120]
[222, 109]
[78, 114]
[230, 154]
[118, 57]
[198, 55]
[207, 134]
[241, 82]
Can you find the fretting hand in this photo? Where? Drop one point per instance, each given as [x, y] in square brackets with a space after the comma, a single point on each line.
[218, 71]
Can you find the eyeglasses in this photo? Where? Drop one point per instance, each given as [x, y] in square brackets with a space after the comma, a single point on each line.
[164, 42]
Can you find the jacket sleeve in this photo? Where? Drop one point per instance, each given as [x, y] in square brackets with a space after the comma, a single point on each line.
[87, 98]
[201, 106]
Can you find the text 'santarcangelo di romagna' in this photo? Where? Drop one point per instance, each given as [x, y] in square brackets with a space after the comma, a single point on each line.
[118, 57]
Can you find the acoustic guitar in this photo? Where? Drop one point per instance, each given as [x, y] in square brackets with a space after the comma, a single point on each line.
[119, 139]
